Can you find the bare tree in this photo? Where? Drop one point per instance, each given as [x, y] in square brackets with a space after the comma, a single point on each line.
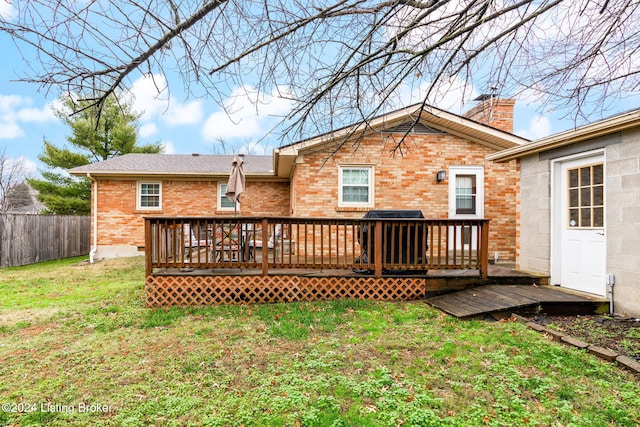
[13, 173]
[339, 61]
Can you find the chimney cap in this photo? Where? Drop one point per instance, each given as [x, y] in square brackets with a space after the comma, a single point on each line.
[485, 96]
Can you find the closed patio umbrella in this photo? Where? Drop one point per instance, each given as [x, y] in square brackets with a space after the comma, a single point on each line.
[235, 186]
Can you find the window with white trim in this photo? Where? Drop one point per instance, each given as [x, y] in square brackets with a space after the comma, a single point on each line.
[149, 195]
[225, 204]
[586, 196]
[466, 193]
[355, 186]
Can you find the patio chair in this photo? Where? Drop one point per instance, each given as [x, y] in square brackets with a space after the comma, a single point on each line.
[227, 247]
[193, 245]
[253, 243]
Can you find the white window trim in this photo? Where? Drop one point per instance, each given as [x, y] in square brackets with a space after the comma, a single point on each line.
[219, 201]
[478, 171]
[371, 202]
[139, 196]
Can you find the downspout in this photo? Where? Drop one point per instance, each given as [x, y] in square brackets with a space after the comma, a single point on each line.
[94, 219]
[611, 280]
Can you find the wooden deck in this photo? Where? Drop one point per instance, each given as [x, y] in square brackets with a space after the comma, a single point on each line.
[501, 300]
[192, 286]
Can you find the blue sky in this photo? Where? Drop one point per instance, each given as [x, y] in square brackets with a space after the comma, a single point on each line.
[188, 125]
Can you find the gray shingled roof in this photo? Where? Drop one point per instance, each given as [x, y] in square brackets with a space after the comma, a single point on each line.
[176, 164]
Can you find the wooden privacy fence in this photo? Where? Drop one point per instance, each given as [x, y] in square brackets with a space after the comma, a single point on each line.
[27, 239]
[371, 246]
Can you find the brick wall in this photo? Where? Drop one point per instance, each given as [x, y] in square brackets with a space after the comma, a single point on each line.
[120, 224]
[409, 182]
[495, 112]
[406, 181]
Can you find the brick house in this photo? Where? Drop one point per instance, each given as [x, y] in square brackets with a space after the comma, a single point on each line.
[579, 209]
[338, 175]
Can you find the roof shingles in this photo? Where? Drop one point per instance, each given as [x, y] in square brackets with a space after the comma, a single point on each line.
[176, 164]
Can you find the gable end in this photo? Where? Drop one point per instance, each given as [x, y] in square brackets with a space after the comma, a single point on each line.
[412, 128]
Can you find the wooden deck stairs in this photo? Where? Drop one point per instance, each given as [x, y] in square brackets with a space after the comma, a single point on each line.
[501, 300]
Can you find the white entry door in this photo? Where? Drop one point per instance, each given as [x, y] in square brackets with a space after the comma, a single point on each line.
[580, 223]
[466, 201]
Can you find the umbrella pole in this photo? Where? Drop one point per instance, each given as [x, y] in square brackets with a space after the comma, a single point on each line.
[240, 235]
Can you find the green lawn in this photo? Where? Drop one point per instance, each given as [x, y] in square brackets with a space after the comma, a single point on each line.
[78, 347]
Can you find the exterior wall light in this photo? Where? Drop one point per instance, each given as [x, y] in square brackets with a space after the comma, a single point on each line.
[441, 175]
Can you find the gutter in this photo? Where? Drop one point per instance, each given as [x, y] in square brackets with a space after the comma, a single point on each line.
[94, 218]
[592, 130]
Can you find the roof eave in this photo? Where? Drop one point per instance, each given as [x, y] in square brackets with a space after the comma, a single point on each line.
[156, 174]
[432, 116]
[477, 132]
[583, 133]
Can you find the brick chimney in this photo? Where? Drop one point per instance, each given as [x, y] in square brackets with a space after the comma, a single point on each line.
[493, 111]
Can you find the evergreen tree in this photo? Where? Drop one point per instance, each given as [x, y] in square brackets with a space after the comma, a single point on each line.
[97, 134]
[17, 198]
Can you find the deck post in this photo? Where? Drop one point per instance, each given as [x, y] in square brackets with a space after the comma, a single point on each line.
[484, 250]
[377, 244]
[265, 247]
[148, 251]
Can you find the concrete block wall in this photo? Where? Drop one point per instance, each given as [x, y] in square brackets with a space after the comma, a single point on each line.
[623, 221]
[534, 215]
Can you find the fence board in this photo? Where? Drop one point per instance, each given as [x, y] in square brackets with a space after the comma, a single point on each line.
[27, 239]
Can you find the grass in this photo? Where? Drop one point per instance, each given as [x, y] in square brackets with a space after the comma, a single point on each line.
[77, 347]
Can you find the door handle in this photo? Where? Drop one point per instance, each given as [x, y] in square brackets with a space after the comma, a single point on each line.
[601, 234]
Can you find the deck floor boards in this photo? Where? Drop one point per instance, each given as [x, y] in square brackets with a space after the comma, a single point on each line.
[496, 298]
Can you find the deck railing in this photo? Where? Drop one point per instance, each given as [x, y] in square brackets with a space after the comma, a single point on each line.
[369, 246]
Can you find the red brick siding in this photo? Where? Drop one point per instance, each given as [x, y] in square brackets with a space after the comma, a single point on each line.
[409, 182]
[120, 223]
[495, 112]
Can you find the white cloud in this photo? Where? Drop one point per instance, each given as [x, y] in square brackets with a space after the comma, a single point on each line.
[184, 114]
[16, 110]
[539, 127]
[219, 125]
[148, 92]
[30, 167]
[148, 129]
[169, 148]
[7, 11]
[10, 130]
[249, 114]
[24, 167]
[150, 97]
[40, 115]
[10, 102]
[255, 148]
[451, 95]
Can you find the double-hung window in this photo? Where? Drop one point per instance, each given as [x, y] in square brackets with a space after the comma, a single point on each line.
[466, 194]
[466, 191]
[149, 195]
[355, 187]
[225, 204]
[466, 200]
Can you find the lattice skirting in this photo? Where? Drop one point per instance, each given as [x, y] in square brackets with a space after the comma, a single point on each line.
[163, 291]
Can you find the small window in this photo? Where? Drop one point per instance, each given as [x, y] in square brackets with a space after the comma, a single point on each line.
[355, 186]
[225, 204]
[586, 196]
[466, 193]
[149, 195]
